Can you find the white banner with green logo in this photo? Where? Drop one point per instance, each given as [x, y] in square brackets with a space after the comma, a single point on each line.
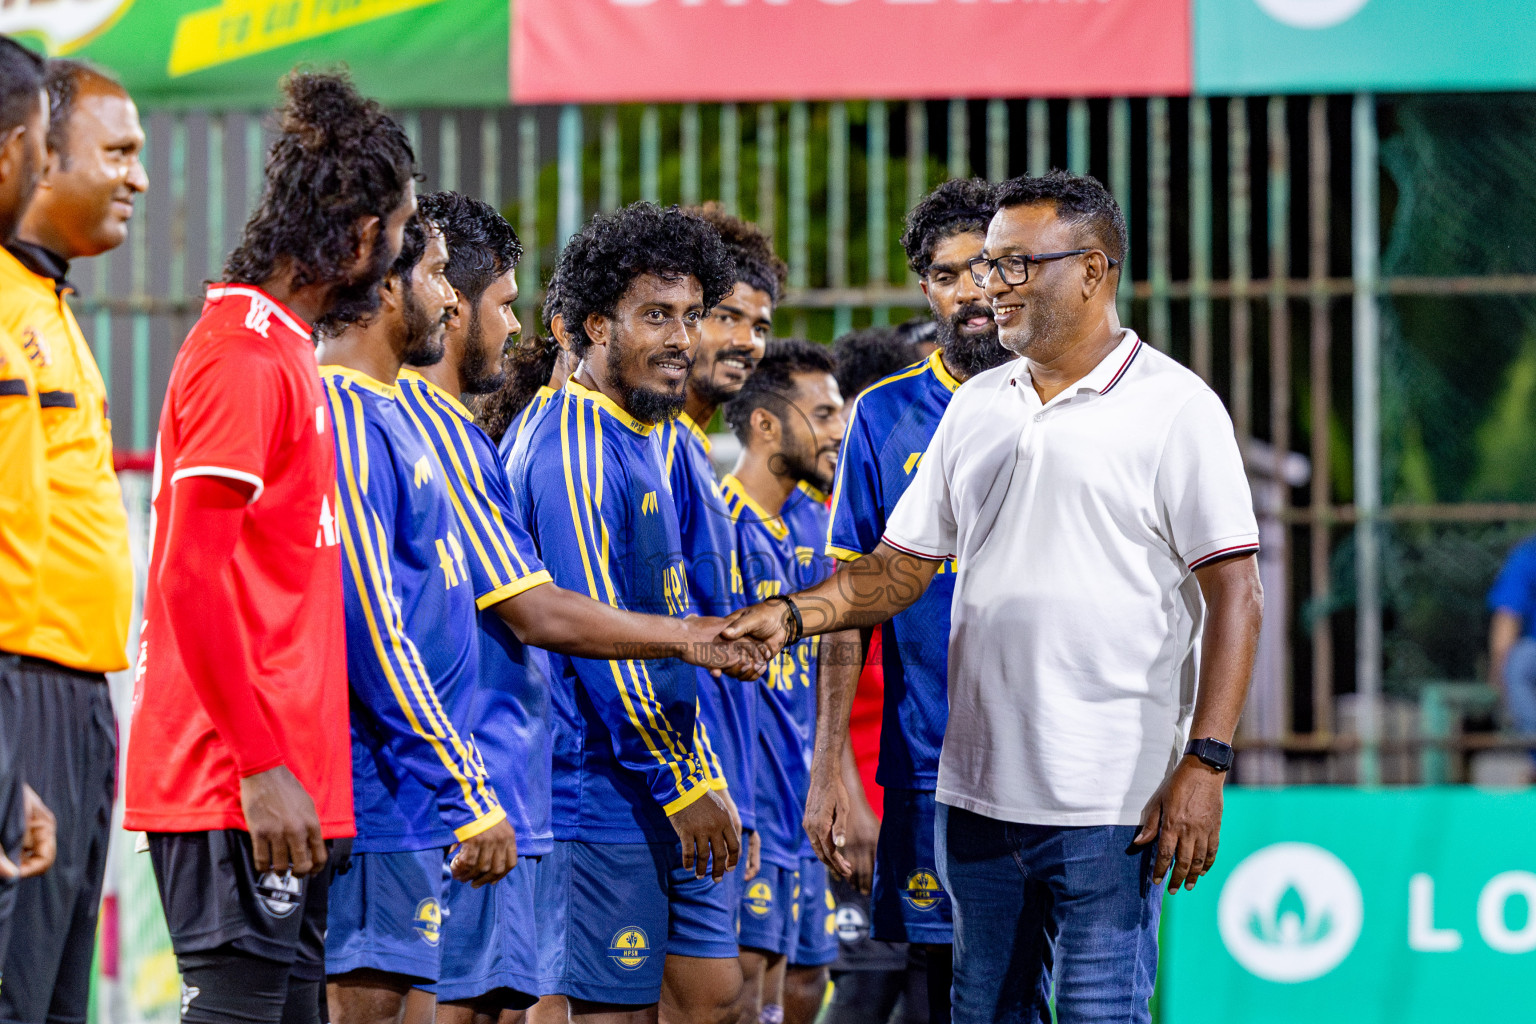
[1340, 905]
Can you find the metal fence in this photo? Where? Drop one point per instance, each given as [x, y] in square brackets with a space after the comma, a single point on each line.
[1254, 258]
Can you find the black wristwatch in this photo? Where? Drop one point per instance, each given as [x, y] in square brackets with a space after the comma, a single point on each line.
[1214, 753]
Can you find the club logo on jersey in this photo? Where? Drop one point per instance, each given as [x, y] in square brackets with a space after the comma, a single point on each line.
[429, 921]
[649, 504]
[913, 461]
[280, 894]
[319, 419]
[422, 471]
[922, 891]
[831, 912]
[768, 588]
[630, 949]
[325, 535]
[805, 556]
[36, 347]
[759, 898]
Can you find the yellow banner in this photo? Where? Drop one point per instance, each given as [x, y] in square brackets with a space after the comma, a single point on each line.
[241, 28]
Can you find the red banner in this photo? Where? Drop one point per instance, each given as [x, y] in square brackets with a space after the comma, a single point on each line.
[604, 51]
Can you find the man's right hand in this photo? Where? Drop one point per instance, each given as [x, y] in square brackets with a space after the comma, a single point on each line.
[488, 857]
[710, 842]
[842, 835]
[281, 818]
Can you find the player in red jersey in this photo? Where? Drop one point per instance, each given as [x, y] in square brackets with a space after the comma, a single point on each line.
[239, 758]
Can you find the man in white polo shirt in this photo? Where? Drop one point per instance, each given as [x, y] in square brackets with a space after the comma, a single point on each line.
[1106, 612]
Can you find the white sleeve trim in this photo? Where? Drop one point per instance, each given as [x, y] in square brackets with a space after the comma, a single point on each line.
[228, 474]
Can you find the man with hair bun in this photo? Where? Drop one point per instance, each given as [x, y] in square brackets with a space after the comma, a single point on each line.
[239, 759]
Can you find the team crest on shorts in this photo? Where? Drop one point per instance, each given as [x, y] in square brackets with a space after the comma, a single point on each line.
[279, 893]
[760, 898]
[630, 949]
[429, 921]
[851, 922]
[923, 890]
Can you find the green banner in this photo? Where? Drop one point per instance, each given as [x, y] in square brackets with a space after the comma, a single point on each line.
[1338, 905]
[222, 54]
[1267, 46]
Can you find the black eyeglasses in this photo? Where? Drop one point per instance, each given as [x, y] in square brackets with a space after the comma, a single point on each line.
[1014, 268]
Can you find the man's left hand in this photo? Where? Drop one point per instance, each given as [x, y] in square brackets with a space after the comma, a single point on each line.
[1184, 817]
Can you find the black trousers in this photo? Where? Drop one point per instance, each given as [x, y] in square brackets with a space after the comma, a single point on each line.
[67, 750]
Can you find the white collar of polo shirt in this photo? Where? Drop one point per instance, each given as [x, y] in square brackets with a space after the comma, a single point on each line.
[1099, 380]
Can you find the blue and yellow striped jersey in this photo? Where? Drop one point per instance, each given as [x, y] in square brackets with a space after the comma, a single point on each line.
[780, 555]
[888, 431]
[515, 429]
[592, 490]
[510, 719]
[727, 706]
[412, 645]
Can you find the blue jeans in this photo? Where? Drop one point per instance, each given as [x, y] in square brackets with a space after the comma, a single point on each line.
[1041, 904]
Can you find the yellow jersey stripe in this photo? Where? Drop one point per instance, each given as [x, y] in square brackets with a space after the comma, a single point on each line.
[352, 446]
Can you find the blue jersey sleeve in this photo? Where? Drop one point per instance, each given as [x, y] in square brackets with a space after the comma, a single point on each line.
[1515, 588]
[858, 518]
[503, 561]
[580, 518]
[389, 678]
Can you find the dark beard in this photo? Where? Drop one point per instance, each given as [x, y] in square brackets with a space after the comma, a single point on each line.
[424, 342]
[647, 405]
[477, 376]
[970, 355]
[356, 300]
[701, 379]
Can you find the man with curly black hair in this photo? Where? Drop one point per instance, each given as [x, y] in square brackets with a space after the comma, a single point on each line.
[631, 771]
[490, 946]
[239, 758]
[731, 341]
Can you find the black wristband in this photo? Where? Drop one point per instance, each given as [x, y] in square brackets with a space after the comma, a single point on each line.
[794, 614]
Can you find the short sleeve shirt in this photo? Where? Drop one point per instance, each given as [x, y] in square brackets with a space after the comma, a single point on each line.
[1515, 589]
[245, 403]
[1075, 627]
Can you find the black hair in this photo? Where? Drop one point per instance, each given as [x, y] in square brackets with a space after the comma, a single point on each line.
[1080, 200]
[21, 79]
[339, 158]
[756, 262]
[529, 365]
[958, 206]
[551, 306]
[482, 246]
[866, 356]
[602, 260]
[772, 384]
[63, 79]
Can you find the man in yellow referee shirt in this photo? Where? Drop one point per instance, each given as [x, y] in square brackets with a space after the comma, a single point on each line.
[81, 208]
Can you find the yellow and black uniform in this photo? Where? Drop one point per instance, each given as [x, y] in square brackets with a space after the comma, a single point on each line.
[87, 592]
[75, 631]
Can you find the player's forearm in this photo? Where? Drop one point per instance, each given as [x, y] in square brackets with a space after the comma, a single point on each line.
[206, 516]
[840, 663]
[866, 592]
[1502, 635]
[1234, 613]
[569, 623]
